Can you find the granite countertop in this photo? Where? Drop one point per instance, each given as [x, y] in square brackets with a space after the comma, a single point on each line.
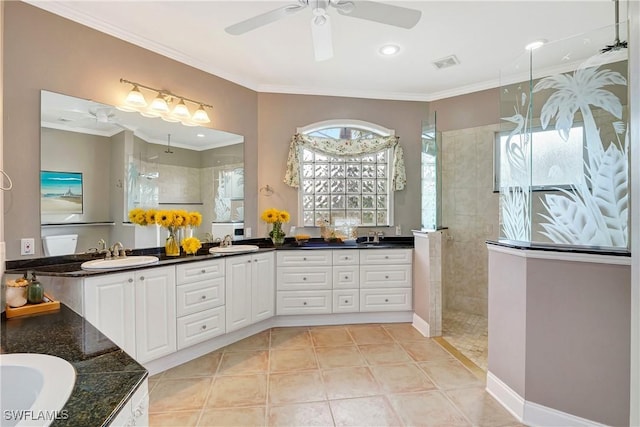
[106, 376]
[550, 247]
[69, 265]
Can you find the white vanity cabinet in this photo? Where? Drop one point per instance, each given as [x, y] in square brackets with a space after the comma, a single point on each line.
[305, 280]
[249, 289]
[155, 313]
[136, 310]
[200, 301]
[386, 279]
[136, 410]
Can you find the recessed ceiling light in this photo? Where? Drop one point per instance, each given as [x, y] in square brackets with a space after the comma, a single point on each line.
[535, 44]
[389, 49]
[200, 135]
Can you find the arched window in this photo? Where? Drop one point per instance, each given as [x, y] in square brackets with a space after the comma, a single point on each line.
[346, 172]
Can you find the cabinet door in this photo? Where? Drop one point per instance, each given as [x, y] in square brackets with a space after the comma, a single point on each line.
[238, 292]
[155, 313]
[109, 305]
[263, 287]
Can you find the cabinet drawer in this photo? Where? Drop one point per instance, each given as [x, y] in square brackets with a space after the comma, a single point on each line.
[385, 299]
[304, 279]
[198, 296]
[199, 327]
[303, 302]
[304, 258]
[385, 276]
[346, 301]
[196, 271]
[346, 277]
[385, 256]
[346, 257]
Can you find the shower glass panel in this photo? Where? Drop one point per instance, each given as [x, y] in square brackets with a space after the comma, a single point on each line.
[431, 185]
[562, 164]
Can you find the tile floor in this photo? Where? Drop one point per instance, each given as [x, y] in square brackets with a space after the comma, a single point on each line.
[354, 375]
[468, 334]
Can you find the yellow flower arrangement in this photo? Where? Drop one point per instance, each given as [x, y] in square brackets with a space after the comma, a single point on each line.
[172, 220]
[191, 245]
[277, 218]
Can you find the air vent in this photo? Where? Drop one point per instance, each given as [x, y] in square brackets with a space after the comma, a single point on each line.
[446, 62]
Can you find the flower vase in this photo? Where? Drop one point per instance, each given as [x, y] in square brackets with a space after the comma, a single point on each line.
[171, 245]
[278, 240]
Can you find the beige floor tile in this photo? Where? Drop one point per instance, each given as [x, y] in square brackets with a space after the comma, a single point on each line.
[401, 378]
[244, 362]
[236, 417]
[403, 332]
[380, 354]
[330, 336]
[153, 382]
[364, 411]
[425, 350]
[369, 334]
[345, 383]
[301, 414]
[303, 386]
[450, 374]
[339, 357]
[241, 390]
[480, 408]
[290, 338]
[294, 359]
[429, 408]
[203, 366]
[179, 394]
[174, 419]
[258, 341]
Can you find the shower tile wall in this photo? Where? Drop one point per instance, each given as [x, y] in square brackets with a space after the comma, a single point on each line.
[470, 210]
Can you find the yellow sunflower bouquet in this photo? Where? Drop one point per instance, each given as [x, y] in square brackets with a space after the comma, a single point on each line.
[172, 220]
[276, 218]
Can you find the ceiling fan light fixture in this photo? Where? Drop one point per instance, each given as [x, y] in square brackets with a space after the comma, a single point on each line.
[201, 116]
[389, 49]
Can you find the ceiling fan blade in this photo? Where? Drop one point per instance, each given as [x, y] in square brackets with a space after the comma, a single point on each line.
[263, 19]
[383, 13]
[322, 40]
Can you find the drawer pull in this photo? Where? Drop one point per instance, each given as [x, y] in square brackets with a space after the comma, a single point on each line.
[141, 277]
[304, 278]
[203, 327]
[203, 297]
[386, 277]
[386, 300]
[248, 260]
[130, 280]
[346, 277]
[386, 257]
[304, 303]
[346, 301]
[203, 271]
[304, 258]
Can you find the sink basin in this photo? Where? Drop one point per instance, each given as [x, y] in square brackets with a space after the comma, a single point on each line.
[130, 261]
[234, 249]
[35, 386]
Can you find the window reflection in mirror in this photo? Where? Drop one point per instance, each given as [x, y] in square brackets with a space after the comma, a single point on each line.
[127, 160]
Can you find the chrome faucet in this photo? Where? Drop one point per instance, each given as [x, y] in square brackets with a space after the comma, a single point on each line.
[208, 238]
[115, 252]
[102, 244]
[226, 242]
[377, 236]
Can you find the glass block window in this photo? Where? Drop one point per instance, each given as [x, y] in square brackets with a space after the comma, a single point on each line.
[354, 188]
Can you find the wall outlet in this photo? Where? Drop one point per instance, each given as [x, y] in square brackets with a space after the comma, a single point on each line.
[247, 233]
[398, 230]
[27, 246]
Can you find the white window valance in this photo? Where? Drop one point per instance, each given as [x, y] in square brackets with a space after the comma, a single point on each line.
[345, 147]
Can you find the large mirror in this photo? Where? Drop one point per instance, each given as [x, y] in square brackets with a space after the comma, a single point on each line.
[98, 162]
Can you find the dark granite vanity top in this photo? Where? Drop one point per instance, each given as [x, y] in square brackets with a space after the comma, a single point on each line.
[69, 265]
[106, 376]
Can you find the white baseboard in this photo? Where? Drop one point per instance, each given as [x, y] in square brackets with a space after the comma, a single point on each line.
[530, 413]
[508, 398]
[421, 325]
[342, 318]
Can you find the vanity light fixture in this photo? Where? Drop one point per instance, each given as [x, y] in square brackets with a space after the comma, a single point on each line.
[167, 105]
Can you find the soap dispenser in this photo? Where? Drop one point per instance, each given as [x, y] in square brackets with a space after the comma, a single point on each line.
[34, 291]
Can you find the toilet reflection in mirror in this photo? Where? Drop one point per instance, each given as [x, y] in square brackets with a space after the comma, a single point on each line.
[126, 162]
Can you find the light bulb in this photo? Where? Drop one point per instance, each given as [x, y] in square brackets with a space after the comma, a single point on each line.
[159, 104]
[180, 110]
[201, 116]
[135, 98]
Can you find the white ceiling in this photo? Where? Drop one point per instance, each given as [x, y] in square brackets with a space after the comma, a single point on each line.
[484, 35]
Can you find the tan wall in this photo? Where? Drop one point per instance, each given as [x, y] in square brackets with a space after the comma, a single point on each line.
[44, 51]
[281, 114]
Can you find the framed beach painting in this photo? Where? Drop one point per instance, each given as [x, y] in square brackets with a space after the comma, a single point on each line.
[60, 192]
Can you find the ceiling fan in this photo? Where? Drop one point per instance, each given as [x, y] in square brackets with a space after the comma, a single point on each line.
[321, 24]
